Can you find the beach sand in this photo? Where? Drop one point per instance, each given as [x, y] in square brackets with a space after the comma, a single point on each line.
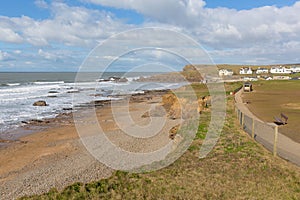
[55, 157]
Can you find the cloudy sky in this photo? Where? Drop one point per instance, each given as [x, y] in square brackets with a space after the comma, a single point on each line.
[58, 35]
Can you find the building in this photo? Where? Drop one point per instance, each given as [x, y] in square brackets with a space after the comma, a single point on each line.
[280, 70]
[246, 70]
[262, 71]
[225, 72]
[281, 78]
[250, 79]
[269, 78]
[295, 69]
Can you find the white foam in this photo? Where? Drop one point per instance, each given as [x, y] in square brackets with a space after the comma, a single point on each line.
[47, 83]
[13, 84]
[16, 101]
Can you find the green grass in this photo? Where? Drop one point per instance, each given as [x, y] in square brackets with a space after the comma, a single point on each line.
[237, 168]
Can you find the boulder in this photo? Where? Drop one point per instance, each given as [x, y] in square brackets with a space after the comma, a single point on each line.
[173, 131]
[146, 114]
[40, 103]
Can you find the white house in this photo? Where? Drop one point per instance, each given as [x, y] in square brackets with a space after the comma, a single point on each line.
[280, 70]
[225, 72]
[281, 77]
[295, 69]
[269, 78]
[246, 70]
[262, 71]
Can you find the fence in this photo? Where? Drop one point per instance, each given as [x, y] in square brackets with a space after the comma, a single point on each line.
[268, 135]
[263, 133]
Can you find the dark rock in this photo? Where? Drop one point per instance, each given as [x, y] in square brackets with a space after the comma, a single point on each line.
[146, 114]
[73, 91]
[173, 131]
[40, 103]
[53, 92]
[37, 121]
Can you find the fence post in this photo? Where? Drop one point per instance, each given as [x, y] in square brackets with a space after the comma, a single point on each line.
[275, 141]
[253, 125]
[243, 120]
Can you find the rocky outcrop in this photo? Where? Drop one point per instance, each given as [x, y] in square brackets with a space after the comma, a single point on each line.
[113, 79]
[181, 108]
[204, 103]
[40, 103]
[191, 74]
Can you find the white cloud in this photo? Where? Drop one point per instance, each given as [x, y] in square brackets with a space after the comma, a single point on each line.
[41, 4]
[4, 56]
[17, 51]
[168, 11]
[9, 35]
[220, 28]
[69, 25]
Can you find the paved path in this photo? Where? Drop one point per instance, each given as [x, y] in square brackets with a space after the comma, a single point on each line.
[286, 147]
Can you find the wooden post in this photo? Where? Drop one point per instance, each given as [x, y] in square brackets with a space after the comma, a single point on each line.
[275, 141]
[243, 120]
[253, 125]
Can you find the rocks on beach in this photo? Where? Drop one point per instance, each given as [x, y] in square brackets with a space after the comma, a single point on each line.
[173, 131]
[40, 103]
[114, 79]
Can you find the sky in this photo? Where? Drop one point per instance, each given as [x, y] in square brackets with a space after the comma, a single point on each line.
[58, 35]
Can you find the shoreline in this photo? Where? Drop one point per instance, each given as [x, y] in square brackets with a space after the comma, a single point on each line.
[65, 117]
[53, 150]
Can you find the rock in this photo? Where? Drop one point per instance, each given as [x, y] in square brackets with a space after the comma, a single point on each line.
[122, 80]
[40, 103]
[53, 92]
[173, 131]
[146, 115]
[34, 121]
[73, 91]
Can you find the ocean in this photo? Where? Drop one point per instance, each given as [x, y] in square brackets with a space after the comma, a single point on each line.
[18, 92]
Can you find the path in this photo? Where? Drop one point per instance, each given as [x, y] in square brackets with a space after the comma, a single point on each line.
[286, 147]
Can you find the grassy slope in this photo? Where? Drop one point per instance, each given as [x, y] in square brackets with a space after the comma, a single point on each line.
[237, 168]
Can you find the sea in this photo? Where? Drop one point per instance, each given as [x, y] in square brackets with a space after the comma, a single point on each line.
[18, 92]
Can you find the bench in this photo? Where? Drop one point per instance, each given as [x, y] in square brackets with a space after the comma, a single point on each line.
[282, 120]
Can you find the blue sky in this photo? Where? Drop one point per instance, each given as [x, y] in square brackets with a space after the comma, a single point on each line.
[239, 5]
[57, 35]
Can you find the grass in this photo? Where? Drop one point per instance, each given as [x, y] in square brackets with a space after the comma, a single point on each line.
[270, 98]
[237, 168]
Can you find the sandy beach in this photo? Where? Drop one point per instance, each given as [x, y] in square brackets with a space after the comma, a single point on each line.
[55, 157]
